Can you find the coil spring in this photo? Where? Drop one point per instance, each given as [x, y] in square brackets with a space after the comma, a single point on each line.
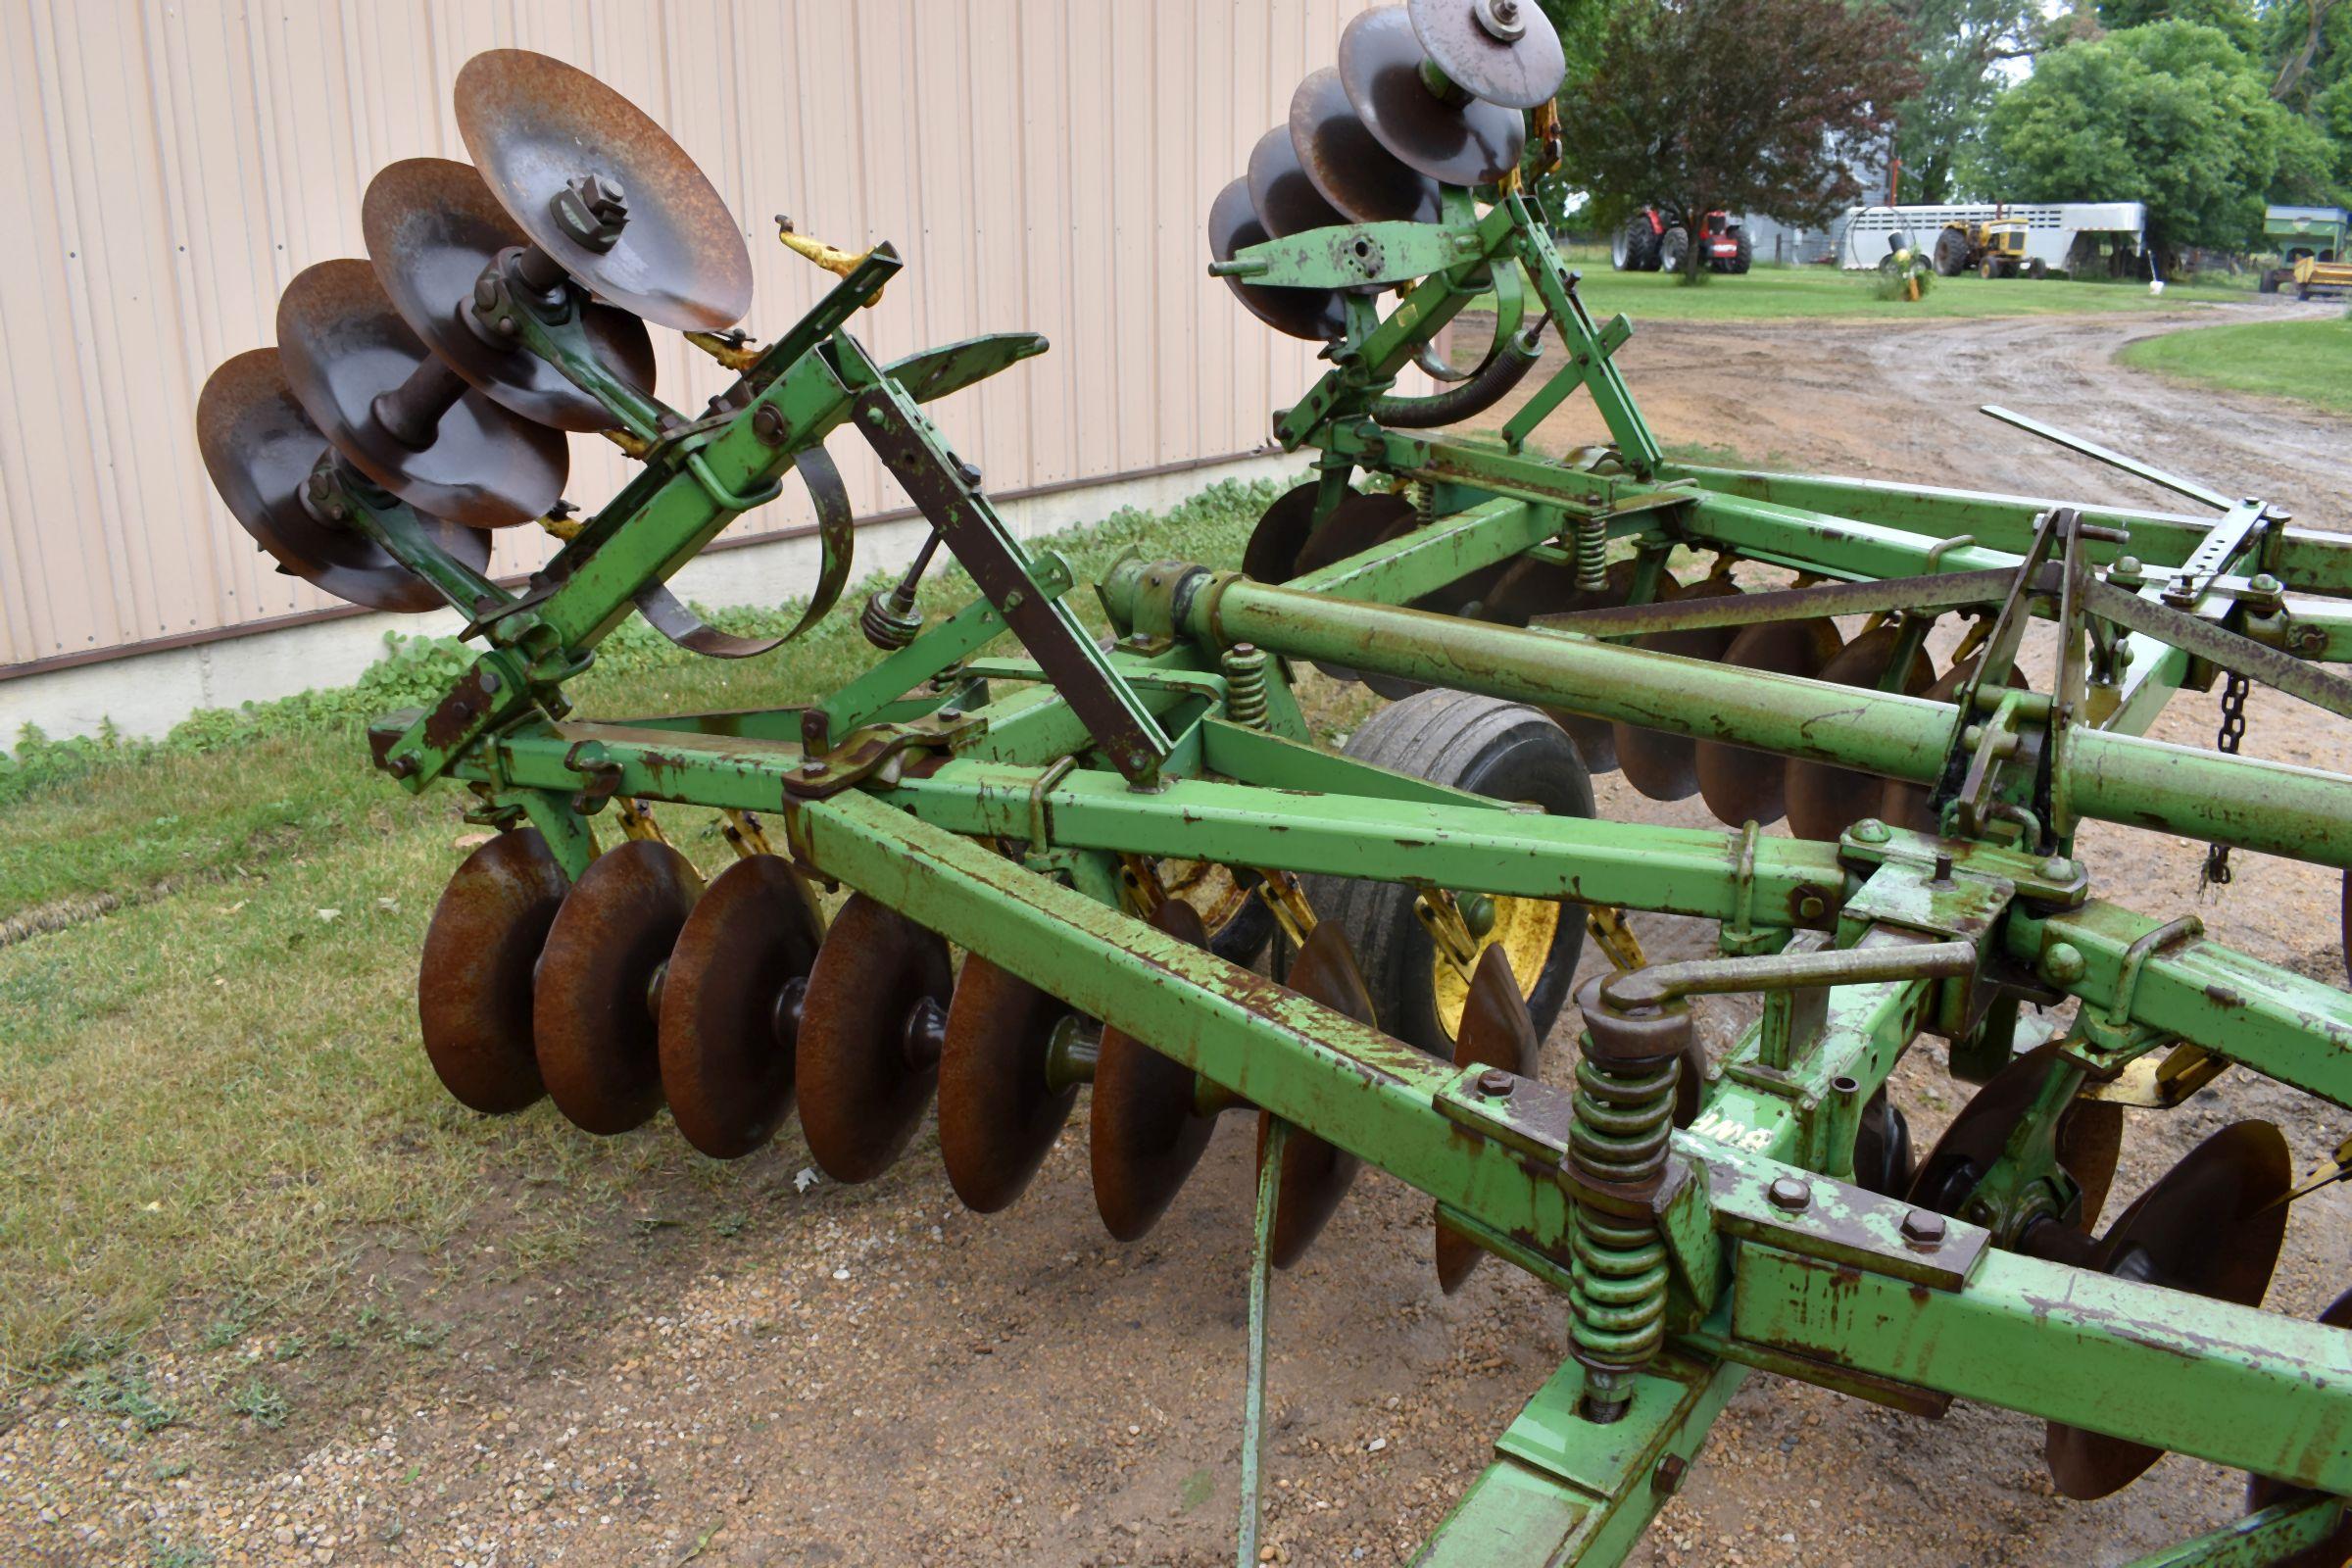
[1624, 1118]
[1244, 666]
[1422, 498]
[1592, 540]
[890, 619]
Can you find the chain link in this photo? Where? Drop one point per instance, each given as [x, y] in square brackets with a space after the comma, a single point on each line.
[2216, 872]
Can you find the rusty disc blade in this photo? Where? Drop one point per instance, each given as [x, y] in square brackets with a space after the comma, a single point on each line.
[1882, 1161]
[1354, 525]
[1145, 1132]
[728, 1001]
[869, 1049]
[1824, 801]
[1313, 314]
[343, 346]
[1281, 533]
[1902, 804]
[594, 1017]
[1496, 1032]
[1662, 766]
[1316, 1175]
[2262, 1491]
[2211, 1226]
[1532, 588]
[433, 228]
[1348, 165]
[533, 126]
[1284, 200]
[474, 981]
[1517, 69]
[997, 1113]
[259, 448]
[1740, 785]
[2089, 1139]
[1468, 143]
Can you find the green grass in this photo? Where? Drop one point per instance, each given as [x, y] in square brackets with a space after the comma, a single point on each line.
[2309, 360]
[210, 1082]
[1783, 292]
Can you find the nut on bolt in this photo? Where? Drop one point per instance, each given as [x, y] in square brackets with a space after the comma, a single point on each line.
[1924, 1228]
[1496, 1081]
[1788, 1193]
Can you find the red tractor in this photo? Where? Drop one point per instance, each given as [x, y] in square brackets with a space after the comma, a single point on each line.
[1653, 239]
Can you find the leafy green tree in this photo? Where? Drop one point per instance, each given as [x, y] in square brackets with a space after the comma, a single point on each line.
[1959, 47]
[1757, 105]
[2173, 114]
[2234, 19]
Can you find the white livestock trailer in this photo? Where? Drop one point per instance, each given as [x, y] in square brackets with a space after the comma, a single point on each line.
[2063, 236]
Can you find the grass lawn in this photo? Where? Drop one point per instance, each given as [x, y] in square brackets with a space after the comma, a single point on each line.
[1780, 292]
[2309, 360]
[216, 1117]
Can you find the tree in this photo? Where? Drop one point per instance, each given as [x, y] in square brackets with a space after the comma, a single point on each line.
[2172, 114]
[2234, 18]
[1758, 106]
[1958, 44]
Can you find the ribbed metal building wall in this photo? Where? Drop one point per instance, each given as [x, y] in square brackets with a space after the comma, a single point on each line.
[1041, 164]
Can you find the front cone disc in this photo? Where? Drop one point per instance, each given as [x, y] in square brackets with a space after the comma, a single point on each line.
[1355, 174]
[998, 1115]
[2262, 1491]
[259, 448]
[1145, 1133]
[1313, 314]
[2211, 1226]
[432, 227]
[727, 1004]
[1535, 587]
[1316, 1175]
[593, 1014]
[1739, 785]
[2089, 1139]
[534, 125]
[1454, 144]
[1824, 800]
[1281, 533]
[1516, 72]
[1495, 1032]
[867, 1054]
[343, 346]
[1662, 766]
[473, 982]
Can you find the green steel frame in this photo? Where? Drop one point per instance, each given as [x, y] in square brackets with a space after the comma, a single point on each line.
[993, 798]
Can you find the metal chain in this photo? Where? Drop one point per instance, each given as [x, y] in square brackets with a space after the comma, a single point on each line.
[2216, 872]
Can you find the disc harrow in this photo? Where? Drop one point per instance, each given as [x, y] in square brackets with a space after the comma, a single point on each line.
[1116, 880]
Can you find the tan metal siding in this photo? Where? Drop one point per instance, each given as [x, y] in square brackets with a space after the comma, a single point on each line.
[1041, 164]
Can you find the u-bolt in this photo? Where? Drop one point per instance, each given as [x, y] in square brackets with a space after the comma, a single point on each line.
[1622, 1121]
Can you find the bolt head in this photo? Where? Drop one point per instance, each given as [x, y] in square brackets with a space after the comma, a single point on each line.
[2058, 868]
[2063, 963]
[1789, 1194]
[1923, 1228]
[2265, 583]
[951, 712]
[811, 767]
[1496, 1082]
[1870, 830]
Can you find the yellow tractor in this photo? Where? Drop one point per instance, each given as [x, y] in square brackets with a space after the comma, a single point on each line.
[1994, 248]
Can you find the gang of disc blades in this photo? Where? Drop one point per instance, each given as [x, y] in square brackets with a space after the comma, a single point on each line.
[259, 447]
[1824, 800]
[1662, 766]
[997, 1113]
[594, 1019]
[1497, 1031]
[474, 980]
[1282, 531]
[1145, 1130]
[2089, 1139]
[343, 345]
[1284, 200]
[868, 1055]
[1348, 165]
[2211, 1226]
[1533, 587]
[1516, 72]
[729, 1002]
[1466, 143]
[1740, 785]
[1313, 314]
[433, 228]
[1316, 1175]
[533, 126]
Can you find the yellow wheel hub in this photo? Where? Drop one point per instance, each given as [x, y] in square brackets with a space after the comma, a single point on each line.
[1524, 928]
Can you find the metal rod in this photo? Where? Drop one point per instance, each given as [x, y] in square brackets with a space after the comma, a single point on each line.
[1788, 972]
[1253, 1390]
[2113, 459]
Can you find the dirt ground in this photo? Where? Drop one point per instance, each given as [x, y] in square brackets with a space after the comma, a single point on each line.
[872, 1375]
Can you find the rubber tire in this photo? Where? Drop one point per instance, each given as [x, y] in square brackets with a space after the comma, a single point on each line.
[1636, 249]
[1746, 256]
[1672, 246]
[1951, 253]
[2267, 283]
[1488, 747]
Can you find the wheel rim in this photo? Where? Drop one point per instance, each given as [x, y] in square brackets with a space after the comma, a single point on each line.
[1524, 928]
